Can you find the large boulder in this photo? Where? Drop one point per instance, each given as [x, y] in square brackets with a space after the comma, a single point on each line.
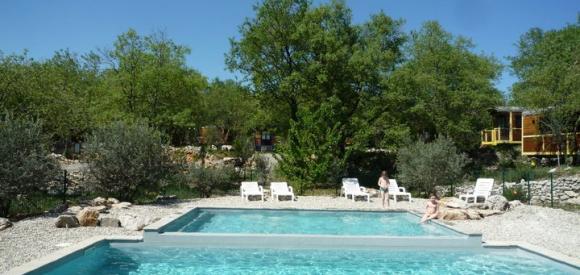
[4, 223]
[98, 201]
[573, 201]
[454, 203]
[489, 212]
[135, 223]
[121, 205]
[112, 201]
[109, 222]
[515, 203]
[497, 202]
[450, 214]
[88, 217]
[66, 221]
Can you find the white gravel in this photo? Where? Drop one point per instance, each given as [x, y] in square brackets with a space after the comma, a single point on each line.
[554, 229]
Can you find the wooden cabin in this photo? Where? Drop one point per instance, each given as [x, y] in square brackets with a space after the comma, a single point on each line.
[264, 141]
[514, 125]
[506, 127]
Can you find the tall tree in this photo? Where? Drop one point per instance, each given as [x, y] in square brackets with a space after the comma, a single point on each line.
[548, 68]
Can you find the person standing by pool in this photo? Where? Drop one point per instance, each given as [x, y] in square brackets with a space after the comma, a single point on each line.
[432, 209]
[384, 187]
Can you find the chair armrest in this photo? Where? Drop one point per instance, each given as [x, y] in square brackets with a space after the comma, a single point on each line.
[363, 189]
[402, 190]
[291, 189]
[261, 189]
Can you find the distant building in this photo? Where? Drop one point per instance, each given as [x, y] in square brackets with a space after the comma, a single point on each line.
[520, 127]
[264, 141]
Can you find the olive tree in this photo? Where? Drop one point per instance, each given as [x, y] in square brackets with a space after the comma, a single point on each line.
[427, 165]
[25, 165]
[126, 160]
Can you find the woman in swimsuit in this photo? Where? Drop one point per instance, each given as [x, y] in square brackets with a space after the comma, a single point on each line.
[432, 209]
[384, 187]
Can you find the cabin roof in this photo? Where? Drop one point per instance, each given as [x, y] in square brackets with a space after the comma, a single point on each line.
[509, 109]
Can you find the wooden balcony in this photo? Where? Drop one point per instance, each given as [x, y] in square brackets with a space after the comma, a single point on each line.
[497, 136]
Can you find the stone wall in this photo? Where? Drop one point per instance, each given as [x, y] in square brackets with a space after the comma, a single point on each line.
[566, 189]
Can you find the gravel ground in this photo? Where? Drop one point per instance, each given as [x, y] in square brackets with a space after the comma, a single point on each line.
[554, 229]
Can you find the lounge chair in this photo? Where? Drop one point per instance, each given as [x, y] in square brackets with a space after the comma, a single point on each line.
[345, 182]
[251, 188]
[278, 189]
[396, 191]
[354, 190]
[483, 187]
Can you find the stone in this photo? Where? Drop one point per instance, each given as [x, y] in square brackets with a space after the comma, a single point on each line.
[477, 206]
[573, 201]
[472, 214]
[166, 199]
[59, 208]
[487, 213]
[100, 209]
[88, 217]
[98, 201]
[571, 194]
[112, 201]
[135, 223]
[109, 222]
[454, 203]
[121, 205]
[515, 203]
[74, 209]
[66, 221]
[450, 214]
[497, 202]
[5, 223]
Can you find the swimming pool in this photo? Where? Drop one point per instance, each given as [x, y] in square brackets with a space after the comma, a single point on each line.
[315, 222]
[140, 258]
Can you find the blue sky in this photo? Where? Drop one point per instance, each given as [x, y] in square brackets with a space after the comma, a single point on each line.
[43, 27]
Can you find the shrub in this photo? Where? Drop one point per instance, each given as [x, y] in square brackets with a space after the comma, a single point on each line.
[262, 168]
[206, 180]
[515, 193]
[244, 148]
[25, 166]
[127, 160]
[426, 165]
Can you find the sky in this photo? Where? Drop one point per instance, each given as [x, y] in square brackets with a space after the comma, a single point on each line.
[43, 27]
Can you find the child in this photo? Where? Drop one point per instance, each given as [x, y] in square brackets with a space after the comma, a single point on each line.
[432, 209]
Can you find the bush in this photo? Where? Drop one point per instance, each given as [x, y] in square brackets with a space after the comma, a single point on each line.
[127, 160]
[25, 166]
[515, 193]
[206, 180]
[426, 165]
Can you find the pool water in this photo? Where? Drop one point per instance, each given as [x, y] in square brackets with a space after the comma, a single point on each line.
[306, 222]
[141, 259]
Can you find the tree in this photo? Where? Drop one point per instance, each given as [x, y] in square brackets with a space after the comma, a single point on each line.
[313, 153]
[126, 160]
[25, 166]
[548, 66]
[427, 165]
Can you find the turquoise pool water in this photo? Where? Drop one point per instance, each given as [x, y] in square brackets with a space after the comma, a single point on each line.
[142, 259]
[305, 222]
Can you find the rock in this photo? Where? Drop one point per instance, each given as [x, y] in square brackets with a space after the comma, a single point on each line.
[487, 213]
[66, 221]
[497, 202]
[4, 223]
[112, 201]
[452, 214]
[109, 222]
[477, 206]
[515, 203]
[98, 201]
[573, 201]
[121, 205]
[166, 199]
[100, 209]
[454, 203]
[88, 217]
[473, 214]
[59, 208]
[74, 209]
[135, 223]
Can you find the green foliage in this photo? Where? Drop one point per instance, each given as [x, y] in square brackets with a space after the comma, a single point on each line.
[25, 166]
[426, 165]
[244, 148]
[262, 168]
[126, 160]
[313, 153]
[515, 193]
[206, 180]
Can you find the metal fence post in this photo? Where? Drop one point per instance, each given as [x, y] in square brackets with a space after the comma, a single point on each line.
[64, 186]
[529, 189]
[552, 190]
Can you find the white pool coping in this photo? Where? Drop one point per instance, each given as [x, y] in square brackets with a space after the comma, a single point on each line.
[153, 229]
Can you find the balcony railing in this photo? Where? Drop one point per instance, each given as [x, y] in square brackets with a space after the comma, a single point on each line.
[501, 135]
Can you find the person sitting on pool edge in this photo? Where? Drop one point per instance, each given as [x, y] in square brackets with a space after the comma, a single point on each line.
[384, 187]
[432, 209]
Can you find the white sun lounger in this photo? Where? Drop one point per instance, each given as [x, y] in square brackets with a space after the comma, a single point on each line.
[251, 188]
[483, 187]
[396, 191]
[345, 182]
[278, 189]
[354, 190]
